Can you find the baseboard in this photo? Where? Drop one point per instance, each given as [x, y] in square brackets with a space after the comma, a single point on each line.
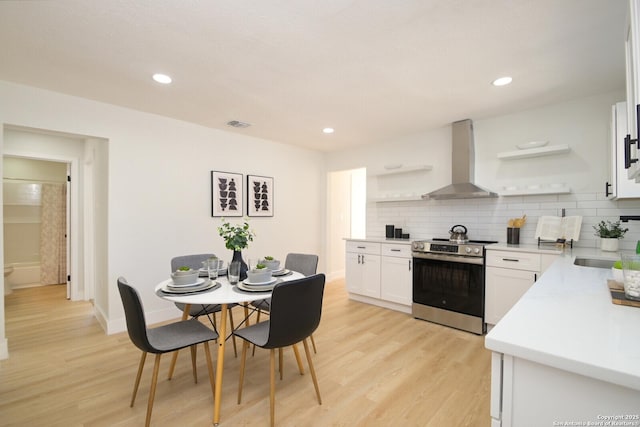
[336, 275]
[116, 326]
[4, 349]
[381, 303]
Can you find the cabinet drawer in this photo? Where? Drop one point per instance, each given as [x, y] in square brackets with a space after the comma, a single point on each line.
[363, 247]
[514, 260]
[402, 251]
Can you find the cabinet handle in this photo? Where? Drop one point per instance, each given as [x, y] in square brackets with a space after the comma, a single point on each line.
[628, 161]
[511, 259]
[637, 123]
[359, 258]
[409, 265]
[535, 277]
[363, 259]
[361, 247]
[607, 193]
[395, 250]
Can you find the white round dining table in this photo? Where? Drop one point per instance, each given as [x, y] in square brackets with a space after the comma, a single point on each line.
[225, 294]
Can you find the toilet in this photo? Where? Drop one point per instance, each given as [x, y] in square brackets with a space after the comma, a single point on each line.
[8, 269]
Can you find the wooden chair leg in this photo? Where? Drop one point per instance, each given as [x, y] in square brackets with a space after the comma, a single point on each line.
[313, 372]
[152, 390]
[298, 359]
[272, 382]
[280, 360]
[137, 383]
[174, 357]
[193, 363]
[207, 352]
[233, 337]
[253, 353]
[313, 344]
[245, 346]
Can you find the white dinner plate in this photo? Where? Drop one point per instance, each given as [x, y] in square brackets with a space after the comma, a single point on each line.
[205, 286]
[281, 272]
[198, 282]
[261, 288]
[267, 283]
[532, 144]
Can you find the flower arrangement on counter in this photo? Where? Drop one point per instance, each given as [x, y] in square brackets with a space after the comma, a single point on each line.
[236, 236]
[609, 230]
[517, 222]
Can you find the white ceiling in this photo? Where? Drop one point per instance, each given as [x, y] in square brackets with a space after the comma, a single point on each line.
[374, 70]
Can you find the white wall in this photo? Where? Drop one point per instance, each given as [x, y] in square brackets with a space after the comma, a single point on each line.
[159, 188]
[582, 123]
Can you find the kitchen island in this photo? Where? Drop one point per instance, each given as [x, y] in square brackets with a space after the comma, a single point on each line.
[565, 353]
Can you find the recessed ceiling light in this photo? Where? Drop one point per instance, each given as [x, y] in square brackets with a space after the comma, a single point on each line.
[502, 81]
[162, 78]
[328, 130]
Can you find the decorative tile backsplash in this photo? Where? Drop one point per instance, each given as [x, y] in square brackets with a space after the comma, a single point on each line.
[486, 219]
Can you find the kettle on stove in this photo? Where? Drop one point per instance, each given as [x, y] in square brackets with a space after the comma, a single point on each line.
[458, 234]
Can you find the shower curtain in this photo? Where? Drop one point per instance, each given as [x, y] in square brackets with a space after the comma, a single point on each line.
[53, 229]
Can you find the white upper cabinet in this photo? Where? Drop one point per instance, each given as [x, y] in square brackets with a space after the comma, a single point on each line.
[631, 152]
[618, 185]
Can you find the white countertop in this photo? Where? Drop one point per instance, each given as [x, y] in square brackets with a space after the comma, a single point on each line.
[381, 240]
[567, 320]
[543, 249]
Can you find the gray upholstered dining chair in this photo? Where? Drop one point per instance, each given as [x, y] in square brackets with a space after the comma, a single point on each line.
[306, 264]
[296, 308]
[162, 339]
[195, 262]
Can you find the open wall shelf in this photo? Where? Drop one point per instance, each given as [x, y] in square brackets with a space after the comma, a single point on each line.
[534, 152]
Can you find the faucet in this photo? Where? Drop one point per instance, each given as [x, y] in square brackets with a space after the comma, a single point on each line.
[627, 218]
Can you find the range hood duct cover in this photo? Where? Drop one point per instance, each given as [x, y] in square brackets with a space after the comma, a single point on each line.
[462, 167]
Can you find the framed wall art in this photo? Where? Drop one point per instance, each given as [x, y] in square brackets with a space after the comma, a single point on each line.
[226, 194]
[259, 195]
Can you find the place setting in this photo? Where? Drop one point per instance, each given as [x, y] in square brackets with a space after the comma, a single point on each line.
[262, 275]
[185, 281]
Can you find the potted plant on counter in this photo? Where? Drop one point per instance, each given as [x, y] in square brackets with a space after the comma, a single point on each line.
[609, 232]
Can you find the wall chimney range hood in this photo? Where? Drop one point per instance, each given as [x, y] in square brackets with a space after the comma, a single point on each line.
[462, 167]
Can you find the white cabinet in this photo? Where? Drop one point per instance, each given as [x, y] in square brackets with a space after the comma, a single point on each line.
[526, 393]
[380, 273]
[396, 273]
[633, 89]
[509, 274]
[619, 186]
[363, 268]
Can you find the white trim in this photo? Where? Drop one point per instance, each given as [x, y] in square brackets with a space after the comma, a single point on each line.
[116, 326]
[4, 349]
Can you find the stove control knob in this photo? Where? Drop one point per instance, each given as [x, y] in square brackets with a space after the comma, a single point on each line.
[467, 250]
[418, 245]
[476, 251]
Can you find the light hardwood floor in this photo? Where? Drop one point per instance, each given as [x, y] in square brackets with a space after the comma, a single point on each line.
[375, 367]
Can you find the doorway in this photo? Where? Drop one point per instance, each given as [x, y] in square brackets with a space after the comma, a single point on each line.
[346, 215]
[36, 223]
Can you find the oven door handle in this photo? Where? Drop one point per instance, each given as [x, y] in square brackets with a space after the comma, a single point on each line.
[451, 258]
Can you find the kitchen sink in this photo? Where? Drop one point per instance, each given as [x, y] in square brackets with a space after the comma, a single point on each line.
[593, 262]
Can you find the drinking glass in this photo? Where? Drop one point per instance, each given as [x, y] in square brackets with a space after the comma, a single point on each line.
[631, 273]
[233, 272]
[213, 270]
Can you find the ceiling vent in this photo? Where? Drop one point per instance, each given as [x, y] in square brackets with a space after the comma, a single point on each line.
[238, 124]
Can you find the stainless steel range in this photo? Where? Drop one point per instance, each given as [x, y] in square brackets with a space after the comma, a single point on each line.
[448, 281]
